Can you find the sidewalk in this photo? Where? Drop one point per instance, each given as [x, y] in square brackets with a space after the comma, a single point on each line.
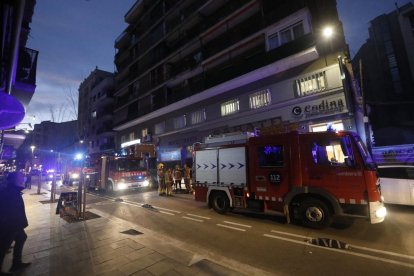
[97, 247]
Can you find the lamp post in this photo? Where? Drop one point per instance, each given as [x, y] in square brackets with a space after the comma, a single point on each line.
[327, 33]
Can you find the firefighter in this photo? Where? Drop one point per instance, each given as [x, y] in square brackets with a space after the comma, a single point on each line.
[161, 179]
[169, 181]
[187, 178]
[178, 176]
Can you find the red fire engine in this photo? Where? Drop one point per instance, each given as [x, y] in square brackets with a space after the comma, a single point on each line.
[112, 173]
[311, 177]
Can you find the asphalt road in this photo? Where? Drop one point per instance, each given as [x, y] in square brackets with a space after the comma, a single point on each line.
[266, 242]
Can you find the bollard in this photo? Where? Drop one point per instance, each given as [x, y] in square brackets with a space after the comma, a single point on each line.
[39, 183]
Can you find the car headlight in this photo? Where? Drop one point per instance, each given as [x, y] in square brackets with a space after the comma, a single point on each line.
[122, 186]
[145, 183]
[381, 212]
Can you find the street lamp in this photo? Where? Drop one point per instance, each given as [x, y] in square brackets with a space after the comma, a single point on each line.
[32, 148]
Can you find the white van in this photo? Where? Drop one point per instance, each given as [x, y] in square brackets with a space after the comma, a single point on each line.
[397, 183]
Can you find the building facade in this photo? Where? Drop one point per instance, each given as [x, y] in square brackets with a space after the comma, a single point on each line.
[190, 69]
[385, 67]
[48, 142]
[17, 72]
[95, 112]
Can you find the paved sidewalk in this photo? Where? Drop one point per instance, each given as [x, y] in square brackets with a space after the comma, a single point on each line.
[97, 247]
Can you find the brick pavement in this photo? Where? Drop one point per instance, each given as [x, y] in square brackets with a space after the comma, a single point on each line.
[97, 247]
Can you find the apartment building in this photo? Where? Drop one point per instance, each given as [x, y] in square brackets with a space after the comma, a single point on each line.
[95, 112]
[190, 69]
[385, 67]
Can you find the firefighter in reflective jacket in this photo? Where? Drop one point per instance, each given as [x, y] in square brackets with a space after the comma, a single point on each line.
[161, 179]
[169, 182]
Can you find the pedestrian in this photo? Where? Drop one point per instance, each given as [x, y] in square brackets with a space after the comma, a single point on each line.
[28, 182]
[187, 178]
[161, 179]
[169, 181]
[13, 220]
[28, 173]
[178, 176]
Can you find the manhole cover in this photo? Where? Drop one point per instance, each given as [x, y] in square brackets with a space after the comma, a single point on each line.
[119, 199]
[132, 232]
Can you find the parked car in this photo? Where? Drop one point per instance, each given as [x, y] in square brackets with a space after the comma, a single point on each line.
[397, 183]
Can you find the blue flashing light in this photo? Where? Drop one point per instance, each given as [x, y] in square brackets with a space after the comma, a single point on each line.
[78, 156]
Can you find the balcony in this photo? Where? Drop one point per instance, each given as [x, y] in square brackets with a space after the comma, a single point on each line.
[26, 69]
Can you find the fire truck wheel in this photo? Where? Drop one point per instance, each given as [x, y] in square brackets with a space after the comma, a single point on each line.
[109, 187]
[315, 214]
[220, 202]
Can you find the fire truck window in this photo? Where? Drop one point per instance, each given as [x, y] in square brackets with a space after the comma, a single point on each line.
[129, 165]
[270, 156]
[332, 152]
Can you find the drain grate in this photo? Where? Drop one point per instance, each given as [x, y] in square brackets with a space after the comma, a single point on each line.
[326, 242]
[42, 193]
[119, 199]
[131, 232]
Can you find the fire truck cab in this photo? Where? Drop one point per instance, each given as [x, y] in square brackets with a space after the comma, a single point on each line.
[310, 177]
[113, 173]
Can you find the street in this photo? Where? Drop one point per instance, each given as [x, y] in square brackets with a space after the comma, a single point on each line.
[266, 242]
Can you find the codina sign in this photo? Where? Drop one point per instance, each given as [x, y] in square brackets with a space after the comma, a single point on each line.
[325, 107]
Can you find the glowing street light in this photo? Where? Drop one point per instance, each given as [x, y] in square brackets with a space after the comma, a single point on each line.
[32, 148]
[327, 32]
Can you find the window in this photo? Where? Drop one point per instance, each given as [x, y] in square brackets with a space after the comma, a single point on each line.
[198, 116]
[94, 114]
[311, 84]
[280, 37]
[123, 139]
[273, 41]
[230, 107]
[131, 136]
[179, 122]
[159, 128]
[270, 156]
[144, 132]
[259, 99]
[335, 126]
[332, 152]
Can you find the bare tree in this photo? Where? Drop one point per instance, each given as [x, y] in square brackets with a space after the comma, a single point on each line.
[72, 98]
[57, 114]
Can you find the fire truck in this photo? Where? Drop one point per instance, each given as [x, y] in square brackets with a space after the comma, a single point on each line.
[113, 173]
[307, 177]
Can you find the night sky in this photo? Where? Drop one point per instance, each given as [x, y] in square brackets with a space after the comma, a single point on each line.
[75, 36]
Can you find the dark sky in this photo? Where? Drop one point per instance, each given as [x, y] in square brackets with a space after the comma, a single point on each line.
[75, 36]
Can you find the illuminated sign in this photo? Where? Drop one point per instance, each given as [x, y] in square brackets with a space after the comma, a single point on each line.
[324, 107]
[130, 143]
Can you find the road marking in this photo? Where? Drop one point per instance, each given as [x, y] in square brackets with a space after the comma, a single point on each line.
[197, 216]
[290, 234]
[169, 210]
[230, 227]
[167, 213]
[238, 224]
[199, 220]
[341, 251]
[352, 246]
